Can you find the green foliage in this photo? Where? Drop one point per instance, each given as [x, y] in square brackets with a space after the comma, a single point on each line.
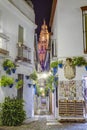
[0, 113]
[54, 64]
[85, 63]
[38, 90]
[46, 91]
[12, 112]
[9, 66]
[33, 76]
[19, 84]
[60, 61]
[78, 61]
[6, 80]
[8, 63]
[49, 82]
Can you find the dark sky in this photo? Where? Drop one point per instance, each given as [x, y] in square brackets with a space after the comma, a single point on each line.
[42, 10]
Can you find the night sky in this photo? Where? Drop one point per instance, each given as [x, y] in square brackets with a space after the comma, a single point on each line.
[42, 10]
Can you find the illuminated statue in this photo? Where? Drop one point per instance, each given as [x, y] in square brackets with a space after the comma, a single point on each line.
[43, 44]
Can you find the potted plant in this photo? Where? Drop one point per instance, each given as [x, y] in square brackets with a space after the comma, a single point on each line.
[54, 65]
[9, 66]
[38, 91]
[33, 76]
[27, 76]
[78, 61]
[19, 84]
[7, 81]
[86, 66]
[60, 63]
[49, 82]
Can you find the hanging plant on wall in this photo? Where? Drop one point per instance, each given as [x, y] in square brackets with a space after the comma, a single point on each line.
[60, 63]
[33, 76]
[78, 61]
[9, 66]
[7, 81]
[54, 65]
[49, 82]
[19, 84]
[86, 66]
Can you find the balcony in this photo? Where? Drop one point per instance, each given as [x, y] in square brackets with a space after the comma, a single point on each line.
[23, 53]
[3, 41]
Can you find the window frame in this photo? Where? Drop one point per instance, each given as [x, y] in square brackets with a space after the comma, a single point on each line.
[84, 24]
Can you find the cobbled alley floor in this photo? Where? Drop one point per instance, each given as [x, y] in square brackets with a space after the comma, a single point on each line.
[47, 123]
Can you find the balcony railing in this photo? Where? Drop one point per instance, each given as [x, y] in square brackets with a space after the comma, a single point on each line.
[23, 53]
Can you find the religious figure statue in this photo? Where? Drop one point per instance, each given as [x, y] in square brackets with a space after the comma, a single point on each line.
[69, 69]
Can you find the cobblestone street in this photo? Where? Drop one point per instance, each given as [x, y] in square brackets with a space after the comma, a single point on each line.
[47, 123]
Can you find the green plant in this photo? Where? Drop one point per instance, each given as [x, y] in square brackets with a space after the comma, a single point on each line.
[33, 76]
[38, 90]
[85, 64]
[0, 113]
[8, 63]
[78, 61]
[12, 112]
[49, 82]
[19, 84]
[9, 66]
[6, 81]
[60, 61]
[54, 64]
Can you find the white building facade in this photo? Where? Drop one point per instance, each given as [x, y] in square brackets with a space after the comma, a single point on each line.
[13, 15]
[68, 31]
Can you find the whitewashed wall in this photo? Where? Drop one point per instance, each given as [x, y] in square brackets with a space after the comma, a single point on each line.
[68, 31]
[10, 19]
[28, 95]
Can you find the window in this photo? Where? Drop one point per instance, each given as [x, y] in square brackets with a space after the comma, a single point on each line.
[20, 34]
[53, 48]
[84, 21]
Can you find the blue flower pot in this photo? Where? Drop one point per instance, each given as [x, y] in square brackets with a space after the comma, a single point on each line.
[27, 77]
[55, 70]
[10, 86]
[60, 65]
[5, 68]
[29, 85]
[16, 80]
[8, 72]
[86, 68]
[13, 70]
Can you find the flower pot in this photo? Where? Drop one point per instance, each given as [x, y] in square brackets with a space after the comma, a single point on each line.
[54, 70]
[60, 65]
[8, 72]
[34, 86]
[5, 68]
[86, 68]
[10, 86]
[53, 91]
[16, 80]
[29, 85]
[27, 77]
[13, 70]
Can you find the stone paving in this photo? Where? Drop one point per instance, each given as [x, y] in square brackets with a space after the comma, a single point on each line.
[47, 123]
